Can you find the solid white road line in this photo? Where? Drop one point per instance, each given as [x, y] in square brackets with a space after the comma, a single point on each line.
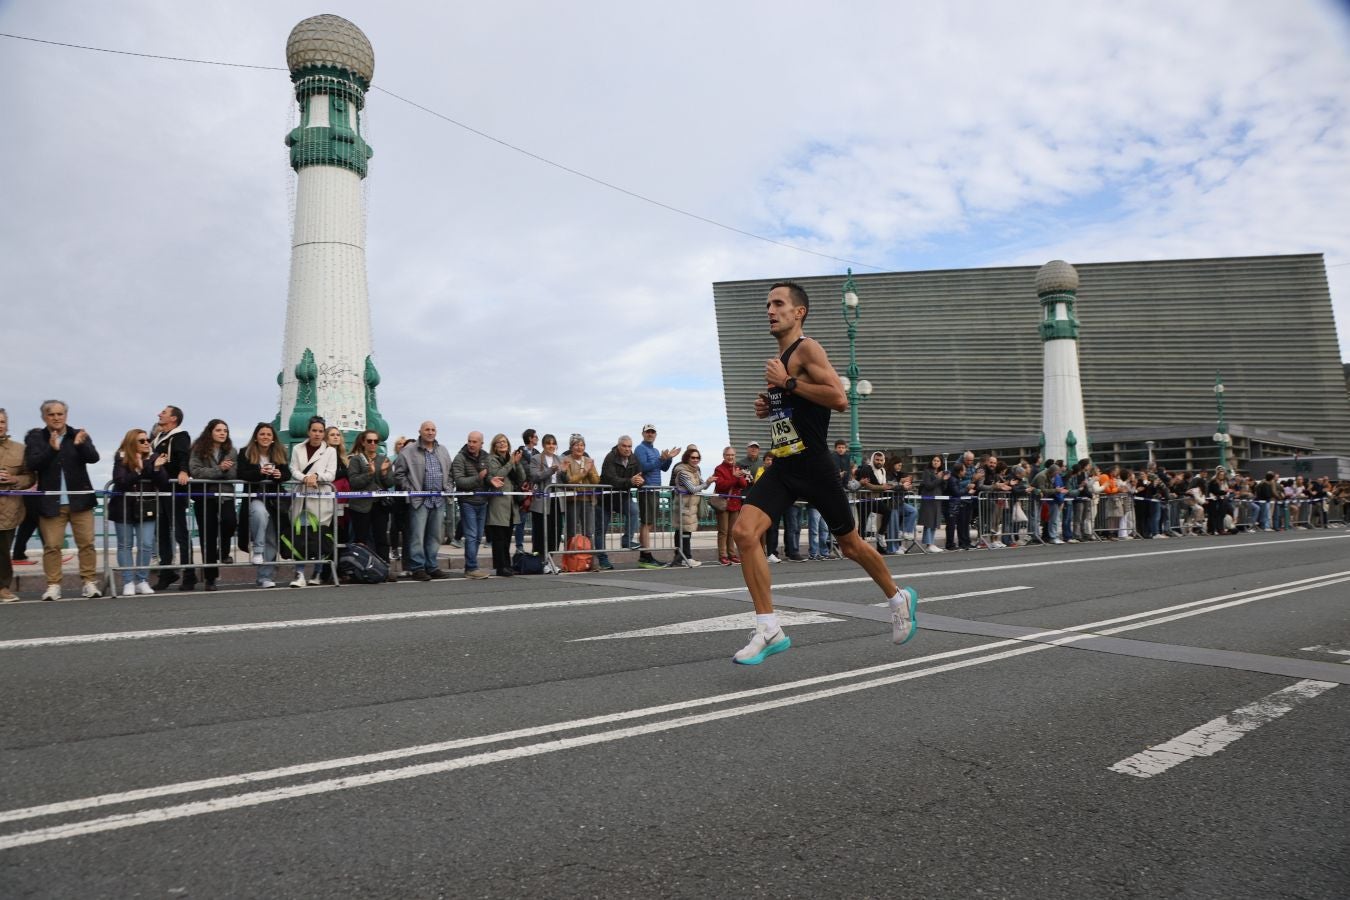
[733, 622]
[1216, 734]
[193, 631]
[1002, 590]
[341, 783]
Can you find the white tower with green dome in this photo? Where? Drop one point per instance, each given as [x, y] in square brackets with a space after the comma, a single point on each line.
[1063, 425]
[326, 366]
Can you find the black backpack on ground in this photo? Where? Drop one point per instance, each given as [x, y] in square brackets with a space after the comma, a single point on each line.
[362, 565]
[528, 564]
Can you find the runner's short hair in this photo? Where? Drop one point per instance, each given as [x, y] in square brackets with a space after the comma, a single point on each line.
[798, 295]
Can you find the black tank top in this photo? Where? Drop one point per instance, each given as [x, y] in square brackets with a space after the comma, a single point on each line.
[796, 425]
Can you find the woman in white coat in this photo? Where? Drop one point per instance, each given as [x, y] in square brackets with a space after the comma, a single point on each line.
[314, 466]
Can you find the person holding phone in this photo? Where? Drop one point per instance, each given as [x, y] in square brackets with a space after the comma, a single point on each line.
[264, 469]
[213, 460]
[136, 476]
[314, 465]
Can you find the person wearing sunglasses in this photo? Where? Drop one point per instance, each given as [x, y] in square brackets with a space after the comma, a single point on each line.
[368, 469]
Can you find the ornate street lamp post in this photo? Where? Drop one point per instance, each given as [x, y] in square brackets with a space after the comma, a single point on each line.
[1221, 436]
[857, 388]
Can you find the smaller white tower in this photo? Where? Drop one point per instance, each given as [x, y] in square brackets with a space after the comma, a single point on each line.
[1063, 425]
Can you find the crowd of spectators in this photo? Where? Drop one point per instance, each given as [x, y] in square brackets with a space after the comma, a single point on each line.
[323, 495]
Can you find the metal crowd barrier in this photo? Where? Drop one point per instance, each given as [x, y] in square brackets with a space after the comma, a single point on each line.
[217, 510]
[610, 518]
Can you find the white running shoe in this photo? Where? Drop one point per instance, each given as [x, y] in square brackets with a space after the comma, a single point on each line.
[256, 559]
[692, 563]
[90, 591]
[143, 587]
[904, 615]
[267, 583]
[999, 545]
[773, 558]
[53, 592]
[129, 589]
[299, 580]
[761, 647]
[932, 548]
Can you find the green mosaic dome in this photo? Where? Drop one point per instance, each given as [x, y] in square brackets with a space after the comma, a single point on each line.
[330, 41]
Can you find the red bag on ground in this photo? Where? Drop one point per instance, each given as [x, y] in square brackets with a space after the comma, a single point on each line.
[577, 562]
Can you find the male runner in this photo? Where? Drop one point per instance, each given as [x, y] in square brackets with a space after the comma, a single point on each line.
[802, 389]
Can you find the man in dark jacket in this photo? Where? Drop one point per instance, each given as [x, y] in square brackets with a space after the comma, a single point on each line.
[60, 456]
[470, 473]
[171, 438]
[622, 472]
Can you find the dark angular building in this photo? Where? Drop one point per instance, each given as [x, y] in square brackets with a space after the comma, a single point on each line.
[955, 357]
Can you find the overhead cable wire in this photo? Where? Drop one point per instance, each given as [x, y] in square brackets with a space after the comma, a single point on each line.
[469, 128]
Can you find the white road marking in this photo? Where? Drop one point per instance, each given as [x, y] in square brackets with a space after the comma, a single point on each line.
[193, 631]
[1002, 590]
[734, 622]
[1216, 734]
[142, 817]
[1319, 648]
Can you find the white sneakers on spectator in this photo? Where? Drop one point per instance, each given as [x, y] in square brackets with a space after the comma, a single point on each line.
[299, 580]
[143, 587]
[267, 583]
[53, 592]
[931, 548]
[256, 559]
[129, 589]
[998, 545]
[773, 558]
[694, 563]
[90, 591]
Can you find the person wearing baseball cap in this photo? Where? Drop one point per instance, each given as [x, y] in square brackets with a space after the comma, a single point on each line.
[652, 462]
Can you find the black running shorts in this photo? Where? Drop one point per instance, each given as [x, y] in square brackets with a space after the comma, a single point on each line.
[811, 477]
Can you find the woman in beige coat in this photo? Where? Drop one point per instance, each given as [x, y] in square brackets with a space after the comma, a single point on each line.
[688, 481]
[14, 476]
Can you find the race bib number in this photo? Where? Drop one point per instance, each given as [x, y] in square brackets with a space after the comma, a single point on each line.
[783, 434]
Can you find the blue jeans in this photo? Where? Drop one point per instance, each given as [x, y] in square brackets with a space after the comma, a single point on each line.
[817, 533]
[262, 537]
[424, 537]
[894, 528]
[1054, 520]
[142, 535]
[1261, 513]
[910, 514]
[474, 518]
[792, 531]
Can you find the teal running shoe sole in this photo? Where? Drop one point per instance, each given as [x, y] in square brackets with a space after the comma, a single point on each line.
[775, 647]
[896, 634]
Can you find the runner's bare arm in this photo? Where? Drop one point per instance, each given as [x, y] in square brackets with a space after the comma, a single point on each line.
[816, 379]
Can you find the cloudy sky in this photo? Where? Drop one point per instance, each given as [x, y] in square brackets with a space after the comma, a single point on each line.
[145, 214]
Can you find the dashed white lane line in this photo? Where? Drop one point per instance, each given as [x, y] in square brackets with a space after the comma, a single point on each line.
[1321, 648]
[1216, 734]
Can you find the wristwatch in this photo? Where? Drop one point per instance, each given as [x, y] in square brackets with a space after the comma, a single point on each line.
[790, 385]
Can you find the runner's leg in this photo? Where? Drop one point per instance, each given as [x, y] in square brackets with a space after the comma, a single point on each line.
[748, 531]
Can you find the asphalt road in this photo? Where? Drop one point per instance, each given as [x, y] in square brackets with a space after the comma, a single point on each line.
[477, 739]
